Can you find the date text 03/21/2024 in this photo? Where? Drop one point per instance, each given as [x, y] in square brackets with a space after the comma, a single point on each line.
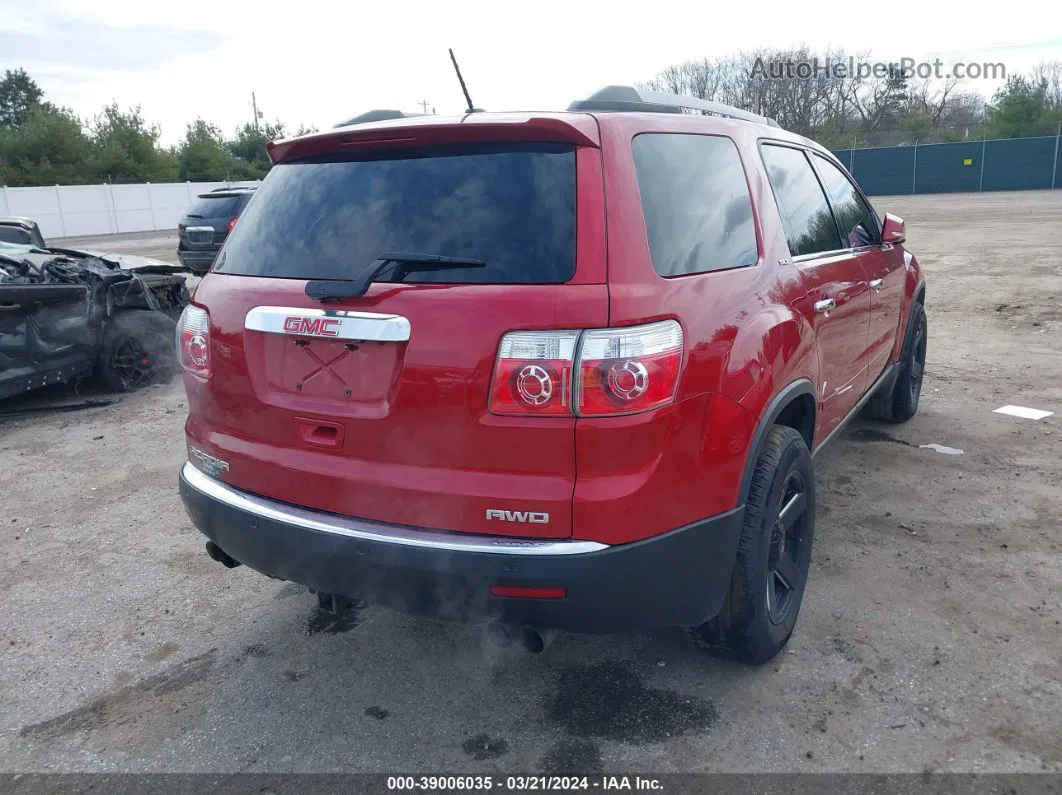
[521, 783]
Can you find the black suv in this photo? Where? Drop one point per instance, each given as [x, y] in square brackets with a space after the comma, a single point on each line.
[206, 224]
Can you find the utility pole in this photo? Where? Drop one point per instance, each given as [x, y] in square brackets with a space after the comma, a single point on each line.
[254, 106]
[424, 104]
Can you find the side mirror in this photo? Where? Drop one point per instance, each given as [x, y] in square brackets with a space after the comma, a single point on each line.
[893, 230]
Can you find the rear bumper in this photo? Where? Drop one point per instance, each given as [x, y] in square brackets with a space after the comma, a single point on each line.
[197, 259]
[676, 578]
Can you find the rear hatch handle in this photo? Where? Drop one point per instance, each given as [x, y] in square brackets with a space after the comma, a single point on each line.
[406, 262]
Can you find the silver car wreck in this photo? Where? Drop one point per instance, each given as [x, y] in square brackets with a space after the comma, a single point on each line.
[67, 314]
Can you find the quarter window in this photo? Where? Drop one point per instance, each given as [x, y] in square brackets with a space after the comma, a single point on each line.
[696, 204]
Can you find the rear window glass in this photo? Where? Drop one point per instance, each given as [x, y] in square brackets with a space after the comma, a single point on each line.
[696, 204]
[215, 207]
[511, 206]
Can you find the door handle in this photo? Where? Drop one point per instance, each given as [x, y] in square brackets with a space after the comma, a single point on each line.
[825, 305]
[876, 283]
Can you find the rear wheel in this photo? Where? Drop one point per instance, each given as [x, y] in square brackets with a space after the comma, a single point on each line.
[774, 555]
[900, 403]
[138, 350]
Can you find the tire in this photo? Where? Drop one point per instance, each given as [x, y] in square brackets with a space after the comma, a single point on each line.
[767, 586]
[900, 403]
[138, 350]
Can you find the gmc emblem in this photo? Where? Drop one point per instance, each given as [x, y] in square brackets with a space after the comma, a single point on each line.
[525, 517]
[317, 326]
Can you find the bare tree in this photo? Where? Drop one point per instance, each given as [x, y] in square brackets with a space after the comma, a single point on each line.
[1049, 75]
[820, 95]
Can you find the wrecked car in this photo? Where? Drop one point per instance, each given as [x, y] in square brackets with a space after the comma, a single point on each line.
[67, 314]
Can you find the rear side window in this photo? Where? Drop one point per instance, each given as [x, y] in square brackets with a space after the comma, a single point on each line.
[857, 220]
[15, 234]
[214, 207]
[809, 224]
[696, 204]
[512, 206]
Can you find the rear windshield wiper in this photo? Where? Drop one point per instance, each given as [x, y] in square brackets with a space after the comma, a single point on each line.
[406, 262]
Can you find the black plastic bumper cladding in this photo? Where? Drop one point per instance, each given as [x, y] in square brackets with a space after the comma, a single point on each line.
[679, 578]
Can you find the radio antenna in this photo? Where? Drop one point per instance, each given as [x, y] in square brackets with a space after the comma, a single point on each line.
[471, 108]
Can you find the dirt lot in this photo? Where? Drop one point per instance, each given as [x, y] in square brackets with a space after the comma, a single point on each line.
[929, 638]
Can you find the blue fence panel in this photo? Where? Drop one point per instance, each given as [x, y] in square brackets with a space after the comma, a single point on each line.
[949, 168]
[964, 166]
[845, 156]
[886, 171]
[1019, 163]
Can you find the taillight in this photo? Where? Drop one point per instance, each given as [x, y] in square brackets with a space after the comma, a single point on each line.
[527, 592]
[193, 341]
[625, 370]
[616, 371]
[533, 374]
[232, 223]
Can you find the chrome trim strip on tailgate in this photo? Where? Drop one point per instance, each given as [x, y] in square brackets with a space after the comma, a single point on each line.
[373, 531]
[328, 323]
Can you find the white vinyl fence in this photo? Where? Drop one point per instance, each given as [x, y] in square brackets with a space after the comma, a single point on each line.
[75, 210]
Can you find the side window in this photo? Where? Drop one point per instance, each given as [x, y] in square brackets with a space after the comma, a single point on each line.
[809, 224]
[16, 235]
[696, 203]
[856, 218]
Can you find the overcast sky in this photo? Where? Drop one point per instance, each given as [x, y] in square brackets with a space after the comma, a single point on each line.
[320, 62]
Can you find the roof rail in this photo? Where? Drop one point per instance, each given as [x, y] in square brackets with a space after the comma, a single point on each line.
[628, 98]
[376, 115]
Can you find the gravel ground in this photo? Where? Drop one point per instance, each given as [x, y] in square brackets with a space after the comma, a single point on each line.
[158, 245]
[929, 638]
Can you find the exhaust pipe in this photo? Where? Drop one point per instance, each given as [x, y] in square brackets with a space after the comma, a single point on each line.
[217, 553]
[536, 640]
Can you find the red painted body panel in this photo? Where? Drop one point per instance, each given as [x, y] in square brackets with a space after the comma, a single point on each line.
[744, 342]
[416, 443]
[644, 474]
[841, 334]
[420, 447]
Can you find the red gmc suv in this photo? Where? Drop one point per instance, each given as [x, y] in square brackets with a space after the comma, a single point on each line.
[565, 370]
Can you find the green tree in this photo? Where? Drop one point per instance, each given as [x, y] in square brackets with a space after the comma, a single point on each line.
[203, 155]
[125, 149]
[917, 124]
[250, 160]
[18, 93]
[829, 136]
[48, 148]
[1021, 108]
